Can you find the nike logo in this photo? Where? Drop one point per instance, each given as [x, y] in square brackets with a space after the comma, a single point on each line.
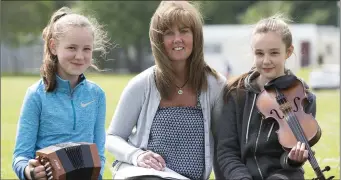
[86, 104]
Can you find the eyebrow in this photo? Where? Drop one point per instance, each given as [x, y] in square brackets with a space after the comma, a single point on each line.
[77, 45]
[270, 49]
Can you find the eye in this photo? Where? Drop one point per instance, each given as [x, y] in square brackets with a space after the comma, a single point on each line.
[168, 32]
[275, 53]
[259, 53]
[72, 48]
[87, 49]
[184, 30]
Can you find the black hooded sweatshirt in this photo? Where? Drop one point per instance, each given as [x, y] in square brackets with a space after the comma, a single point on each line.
[247, 144]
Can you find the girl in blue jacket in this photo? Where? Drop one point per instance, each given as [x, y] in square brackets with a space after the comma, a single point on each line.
[63, 106]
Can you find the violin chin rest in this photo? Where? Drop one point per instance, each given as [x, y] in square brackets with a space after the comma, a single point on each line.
[282, 82]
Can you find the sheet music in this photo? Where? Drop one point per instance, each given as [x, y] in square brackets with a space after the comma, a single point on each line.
[131, 171]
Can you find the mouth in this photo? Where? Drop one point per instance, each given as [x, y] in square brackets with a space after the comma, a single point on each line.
[267, 69]
[178, 48]
[77, 64]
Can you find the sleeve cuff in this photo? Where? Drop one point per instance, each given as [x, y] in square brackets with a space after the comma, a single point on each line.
[287, 163]
[135, 155]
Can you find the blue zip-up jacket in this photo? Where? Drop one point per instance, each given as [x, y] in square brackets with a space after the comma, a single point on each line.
[64, 115]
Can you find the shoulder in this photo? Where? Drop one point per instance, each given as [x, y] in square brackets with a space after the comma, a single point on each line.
[236, 96]
[216, 83]
[310, 95]
[93, 87]
[215, 88]
[35, 93]
[36, 88]
[142, 80]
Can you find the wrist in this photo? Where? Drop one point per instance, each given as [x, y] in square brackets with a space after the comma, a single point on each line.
[136, 156]
[294, 163]
[27, 172]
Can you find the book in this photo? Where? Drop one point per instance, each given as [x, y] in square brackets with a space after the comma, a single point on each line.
[124, 170]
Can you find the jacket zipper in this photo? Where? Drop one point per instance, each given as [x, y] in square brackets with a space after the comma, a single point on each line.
[272, 126]
[74, 112]
[73, 106]
[260, 128]
[248, 123]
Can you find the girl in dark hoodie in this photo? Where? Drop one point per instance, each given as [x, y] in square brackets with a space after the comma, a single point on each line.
[247, 144]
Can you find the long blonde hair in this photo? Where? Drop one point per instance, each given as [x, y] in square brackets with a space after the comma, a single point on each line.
[59, 22]
[186, 14]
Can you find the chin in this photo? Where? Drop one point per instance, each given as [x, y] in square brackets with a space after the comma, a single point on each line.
[270, 77]
[76, 73]
[179, 59]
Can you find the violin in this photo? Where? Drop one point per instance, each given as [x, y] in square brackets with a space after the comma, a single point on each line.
[283, 99]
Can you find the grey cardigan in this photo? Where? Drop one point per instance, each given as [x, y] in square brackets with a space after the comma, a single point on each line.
[128, 133]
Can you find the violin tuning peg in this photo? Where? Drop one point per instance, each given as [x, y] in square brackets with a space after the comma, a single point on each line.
[327, 168]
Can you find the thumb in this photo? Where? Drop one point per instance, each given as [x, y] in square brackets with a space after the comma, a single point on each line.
[34, 162]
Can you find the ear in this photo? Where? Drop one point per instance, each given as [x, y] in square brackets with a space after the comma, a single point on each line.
[289, 51]
[53, 46]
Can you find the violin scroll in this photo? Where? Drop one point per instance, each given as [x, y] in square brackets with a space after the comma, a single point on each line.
[327, 168]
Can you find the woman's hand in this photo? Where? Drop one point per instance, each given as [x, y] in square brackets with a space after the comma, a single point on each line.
[35, 169]
[150, 159]
[298, 153]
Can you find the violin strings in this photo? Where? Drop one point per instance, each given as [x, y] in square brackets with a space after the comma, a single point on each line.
[298, 132]
[297, 127]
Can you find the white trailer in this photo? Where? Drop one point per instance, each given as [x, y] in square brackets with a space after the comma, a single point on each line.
[314, 45]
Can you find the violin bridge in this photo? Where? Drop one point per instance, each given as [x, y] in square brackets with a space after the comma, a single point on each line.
[285, 107]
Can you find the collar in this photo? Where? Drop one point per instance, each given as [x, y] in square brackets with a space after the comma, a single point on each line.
[252, 85]
[65, 86]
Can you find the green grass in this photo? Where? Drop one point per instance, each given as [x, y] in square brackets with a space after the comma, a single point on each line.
[13, 90]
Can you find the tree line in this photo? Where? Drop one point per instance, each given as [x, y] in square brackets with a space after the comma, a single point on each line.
[127, 22]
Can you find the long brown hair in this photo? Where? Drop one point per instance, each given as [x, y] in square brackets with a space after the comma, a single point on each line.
[187, 14]
[276, 23]
[59, 22]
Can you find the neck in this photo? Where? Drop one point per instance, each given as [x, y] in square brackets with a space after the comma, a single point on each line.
[72, 78]
[181, 74]
[262, 80]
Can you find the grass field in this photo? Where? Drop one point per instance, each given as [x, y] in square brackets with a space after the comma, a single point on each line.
[13, 90]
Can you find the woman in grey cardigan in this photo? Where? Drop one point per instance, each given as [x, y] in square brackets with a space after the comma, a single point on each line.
[164, 114]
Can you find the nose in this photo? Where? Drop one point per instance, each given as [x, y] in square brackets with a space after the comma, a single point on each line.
[266, 59]
[177, 37]
[79, 55]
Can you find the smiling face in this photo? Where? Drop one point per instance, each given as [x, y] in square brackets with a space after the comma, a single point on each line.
[270, 54]
[74, 52]
[178, 43]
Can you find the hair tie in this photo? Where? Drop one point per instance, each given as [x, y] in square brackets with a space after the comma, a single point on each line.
[59, 16]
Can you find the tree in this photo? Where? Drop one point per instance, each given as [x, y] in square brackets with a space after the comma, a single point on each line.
[127, 23]
[22, 21]
[263, 9]
[316, 12]
[224, 12]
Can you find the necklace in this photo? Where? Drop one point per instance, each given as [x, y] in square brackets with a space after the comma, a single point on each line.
[180, 91]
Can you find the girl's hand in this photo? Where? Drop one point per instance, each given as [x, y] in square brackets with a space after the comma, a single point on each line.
[36, 170]
[298, 153]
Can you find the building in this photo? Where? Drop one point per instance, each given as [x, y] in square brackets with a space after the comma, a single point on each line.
[231, 44]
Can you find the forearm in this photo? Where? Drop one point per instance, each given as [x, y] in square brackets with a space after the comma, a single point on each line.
[122, 150]
[19, 166]
[231, 165]
[228, 145]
